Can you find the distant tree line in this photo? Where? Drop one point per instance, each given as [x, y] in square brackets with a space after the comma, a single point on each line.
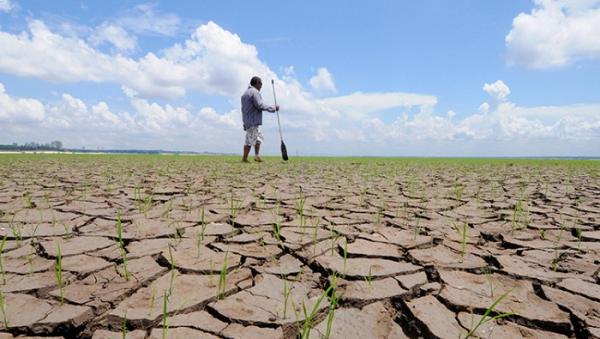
[33, 146]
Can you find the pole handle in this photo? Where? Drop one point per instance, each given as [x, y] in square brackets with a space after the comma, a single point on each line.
[275, 99]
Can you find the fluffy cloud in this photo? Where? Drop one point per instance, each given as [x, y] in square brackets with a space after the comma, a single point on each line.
[19, 110]
[359, 104]
[6, 6]
[213, 62]
[323, 81]
[498, 90]
[555, 33]
[144, 19]
[114, 35]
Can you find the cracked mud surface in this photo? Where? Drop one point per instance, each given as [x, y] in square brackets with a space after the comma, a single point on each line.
[211, 248]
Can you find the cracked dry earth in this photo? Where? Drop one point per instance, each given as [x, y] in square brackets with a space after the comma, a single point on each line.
[211, 248]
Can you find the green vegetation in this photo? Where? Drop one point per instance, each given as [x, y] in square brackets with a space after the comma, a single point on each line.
[223, 278]
[3, 309]
[121, 244]
[59, 274]
[486, 316]
[2, 244]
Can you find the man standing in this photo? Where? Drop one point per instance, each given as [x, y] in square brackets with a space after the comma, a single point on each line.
[252, 107]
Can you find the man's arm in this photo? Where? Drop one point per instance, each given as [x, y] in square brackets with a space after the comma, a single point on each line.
[260, 105]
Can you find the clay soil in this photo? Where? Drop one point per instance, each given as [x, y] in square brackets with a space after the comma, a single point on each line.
[350, 248]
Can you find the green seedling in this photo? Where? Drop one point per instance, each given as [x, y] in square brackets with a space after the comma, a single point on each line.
[124, 326]
[309, 318]
[165, 325]
[369, 279]
[345, 254]
[277, 231]
[488, 276]
[579, 234]
[173, 272]
[486, 315]
[16, 232]
[3, 309]
[121, 244]
[300, 201]
[222, 279]
[286, 294]
[212, 269]
[2, 244]
[458, 191]
[152, 301]
[202, 224]
[28, 200]
[59, 274]
[417, 228]
[557, 247]
[332, 307]
[234, 206]
[462, 233]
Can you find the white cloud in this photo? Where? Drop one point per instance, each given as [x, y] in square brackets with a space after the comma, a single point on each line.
[19, 110]
[115, 35]
[6, 6]
[144, 19]
[323, 81]
[556, 33]
[359, 104]
[498, 90]
[213, 62]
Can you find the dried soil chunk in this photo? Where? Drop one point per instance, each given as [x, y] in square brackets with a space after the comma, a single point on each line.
[137, 249]
[442, 256]
[103, 334]
[238, 331]
[583, 308]
[585, 288]
[591, 236]
[264, 303]
[69, 316]
[34, 282]
[252, 250]
[515, 265]
[76, 245]
[84, 264]
[411, 280]
[372, 249]
[194, 258]
[403, 238]
[212, 229]
[377, 289]
[285, 265]
[180, 333]
[186, 291]
[439, 322]
[473, 291]
[358, 268]
[23, 310]
[372, 321]
[492, 329]
[257, 218]
[200, 320]
[108, 285]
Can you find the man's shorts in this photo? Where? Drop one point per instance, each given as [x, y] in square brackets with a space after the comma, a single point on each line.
[253, 136]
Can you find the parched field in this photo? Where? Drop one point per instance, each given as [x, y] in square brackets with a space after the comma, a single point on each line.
[208, 247]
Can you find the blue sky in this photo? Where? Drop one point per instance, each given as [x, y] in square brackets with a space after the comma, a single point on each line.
[472, 78]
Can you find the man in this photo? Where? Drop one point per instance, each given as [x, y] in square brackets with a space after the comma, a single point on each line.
[252, 107]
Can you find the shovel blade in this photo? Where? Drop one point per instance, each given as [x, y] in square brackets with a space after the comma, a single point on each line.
[284, 151]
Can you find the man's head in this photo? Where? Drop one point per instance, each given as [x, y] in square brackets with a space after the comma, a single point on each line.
[256, 82]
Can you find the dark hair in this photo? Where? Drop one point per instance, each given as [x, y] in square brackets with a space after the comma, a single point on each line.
[255, 80]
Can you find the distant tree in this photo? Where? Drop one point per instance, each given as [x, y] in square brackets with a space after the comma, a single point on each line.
[57, 145]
